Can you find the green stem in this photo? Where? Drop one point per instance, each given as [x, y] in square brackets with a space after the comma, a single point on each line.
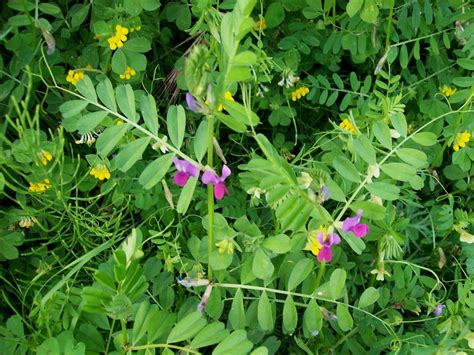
[124, 334]
[210, 193]
[320, 273]
[389, 26]
[334, 14]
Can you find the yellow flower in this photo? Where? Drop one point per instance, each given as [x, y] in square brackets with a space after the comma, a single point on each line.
[299, 93]
[313, 243]
[119, 38]
[100, 172]
[129, 72]
[225, 246]
[260, 25]
[73, 76]
[119, 123]
[447, 91]
[27, 222]
[348, 126]
[45, 156]
[40, 186]
[228, 97]
[461, 140]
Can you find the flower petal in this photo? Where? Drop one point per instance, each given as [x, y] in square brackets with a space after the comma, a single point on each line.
[225, 173]
[190, 168]
[333, 239]
[325, 254]
[360, 230]
[191, 102]
[180, 179]
[178, 163]
[209, 177]
[220, 190]
[320, 237]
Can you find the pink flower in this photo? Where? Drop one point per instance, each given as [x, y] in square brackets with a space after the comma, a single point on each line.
[326, 241]
[210, 177]
[351, 224]
[185, 170]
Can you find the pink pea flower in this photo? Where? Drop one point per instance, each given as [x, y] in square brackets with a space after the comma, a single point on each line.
[210, 177]
[326, 241]
[439, 310]
[184, 171]
[351, 224]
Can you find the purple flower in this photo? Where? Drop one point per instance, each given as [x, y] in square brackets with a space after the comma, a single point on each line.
[324, 193]
[184, 169]
[351, 224]
[326, 241]
[210, 177]
[439, 309]
[193, 104]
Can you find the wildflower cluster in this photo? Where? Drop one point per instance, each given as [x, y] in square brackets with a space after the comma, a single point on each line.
[299, 93]
[461, 140]
[45, 156]
[73, 76]
[100, 172]
[129, 72]
[40, 186]
[260, 25]
[186, 169]
[447, 91]
[119, 38]
[225, 246]
[27, 222]
[347, 126]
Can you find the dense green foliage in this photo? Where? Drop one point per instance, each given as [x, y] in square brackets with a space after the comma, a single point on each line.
[335, 140]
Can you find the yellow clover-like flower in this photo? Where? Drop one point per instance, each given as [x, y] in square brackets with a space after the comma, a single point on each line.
[129, 72]
[299, 93]
[40, 186]
[461, 140]
[447, 91]
[45, 156]
[228, 97]
[225, 246]
[347, 126]
[117, 40]
[260, 25]
[73, 76]
[100, 172]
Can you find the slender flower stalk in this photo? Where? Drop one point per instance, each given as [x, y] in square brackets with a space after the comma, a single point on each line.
[210, 193]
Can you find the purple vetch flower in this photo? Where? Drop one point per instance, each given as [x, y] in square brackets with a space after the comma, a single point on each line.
[185, 170]
[439, 310]
[210, 177]
[324, 193]
[351, 224]
[204, 298]
[193, 104]
[326, 241]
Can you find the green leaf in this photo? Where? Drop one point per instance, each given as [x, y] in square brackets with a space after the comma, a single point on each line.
[274, 15]
[200, 140]
[299, 273]
[290, 316]
[371, 210]
[186, 195]
[79, 15]
[150, 5]
[363, 147]
[138, 45]
[466, 63]
[312, 319]
[369, 297]
[140, 324]
[425, 138]
[262, 266]
[211, 334]
[346, 169]
[106, 94]
[126, 101]
[86, 88]
[132, 153]
[384, 190]
[245, 58]
[109, 139]
[233, 124]
[187, 327]
[149, 113]
[237, 317]
[279, 244]
[176, 122]
[404, 56]
[235, 344]
[264, 313]
[344, 318]
[414, 157]
[399, 123]
[72, 108]
[370, 11]
[353, 7]
[119, 62]
[399, 171]
[90, 121]
[337, 283]
[382, 133]
[155, 171]
[239, 112]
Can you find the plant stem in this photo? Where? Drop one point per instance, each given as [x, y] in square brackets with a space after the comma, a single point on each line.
[320, 273]
[389, 27]
[210, 193]
[124, 333]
